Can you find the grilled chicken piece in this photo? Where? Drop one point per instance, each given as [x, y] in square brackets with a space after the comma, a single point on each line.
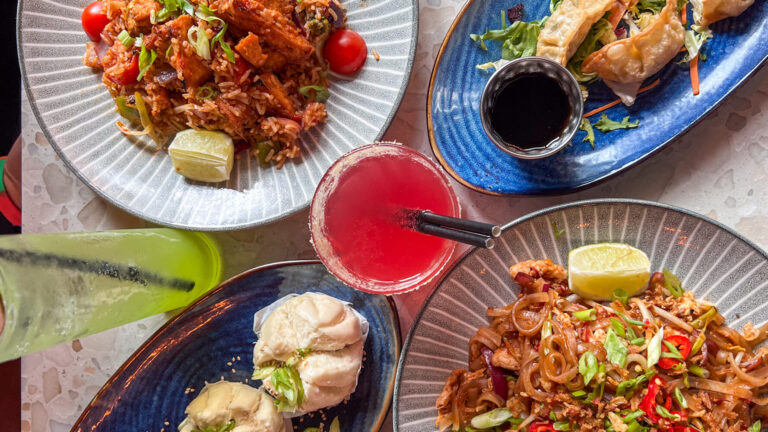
[275, 29]
[190, 67]
[504, 359]
[137, 15]
[249, 48]
[276, 89]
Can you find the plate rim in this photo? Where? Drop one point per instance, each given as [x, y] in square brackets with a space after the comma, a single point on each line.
[389, 398]
[559, 190]
[408, 72]
[522, 219]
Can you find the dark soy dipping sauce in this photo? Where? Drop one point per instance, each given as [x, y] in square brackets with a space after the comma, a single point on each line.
[531, 111]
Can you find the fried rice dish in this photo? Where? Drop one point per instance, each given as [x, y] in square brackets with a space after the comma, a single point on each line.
[660, 361]
[249, 68]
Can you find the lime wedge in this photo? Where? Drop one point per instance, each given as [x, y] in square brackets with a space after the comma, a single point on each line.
[202, 155]
[595, 271]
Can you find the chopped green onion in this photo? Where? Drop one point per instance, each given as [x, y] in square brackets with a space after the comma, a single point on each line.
[169, 52]
[660, 410]
[220, 39]
[303, 352]
[321, 94]
[561, 426]
[186, 7]
[597, 393]
[756, 427]
[288, 385]
[556, 230]
[654, 348]
[206, 92]
[680, 399]
[703, 321]
[617, 352]
[618, 327]
[585, 315]
[492, 418]
[621, 296]
[199, 41]
[125, 38]
[579, 394]
[673, 351]
[632, 415]
[128, 112]
[698, 371]
[631, 321]
[672, 283]
[146, 58]
[637, 342]
[263, 372]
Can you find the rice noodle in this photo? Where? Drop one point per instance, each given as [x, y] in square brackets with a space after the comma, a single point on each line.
[673, 319]
[720, 387]
[518, 312]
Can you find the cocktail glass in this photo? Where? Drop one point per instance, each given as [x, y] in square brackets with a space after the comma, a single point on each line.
[360, 219]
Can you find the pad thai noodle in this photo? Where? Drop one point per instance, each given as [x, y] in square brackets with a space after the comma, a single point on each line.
[661, 361]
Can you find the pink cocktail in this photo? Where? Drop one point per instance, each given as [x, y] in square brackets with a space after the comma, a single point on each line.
[360, 224]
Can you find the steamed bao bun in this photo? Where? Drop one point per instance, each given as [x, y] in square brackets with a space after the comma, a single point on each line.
[250, 408]
[330, 336]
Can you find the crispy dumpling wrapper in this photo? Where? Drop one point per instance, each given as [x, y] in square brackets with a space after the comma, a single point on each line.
[706, 12]
[566, 29]
[630, 61]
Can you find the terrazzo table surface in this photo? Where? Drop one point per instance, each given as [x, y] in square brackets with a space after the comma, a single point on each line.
[719, 169]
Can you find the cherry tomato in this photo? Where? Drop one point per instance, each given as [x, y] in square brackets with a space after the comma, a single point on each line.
[541, 427]
[345, 51]
[94, 19]
[129, 75]
[682, 343]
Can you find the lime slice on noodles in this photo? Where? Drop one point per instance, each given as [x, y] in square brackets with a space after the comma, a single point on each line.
[202, 155]
[595, 271]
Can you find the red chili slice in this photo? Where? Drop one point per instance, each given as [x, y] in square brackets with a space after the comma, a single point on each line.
[648, 404]
[682, 343]
[541, 427]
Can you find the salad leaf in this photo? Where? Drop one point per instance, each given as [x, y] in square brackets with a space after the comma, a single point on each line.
[586, 126]
[652, 5]
[617, 352]
[591, 44]
[606, 125]
[695, 38]
[654, 348]
[588, 366]
[519, 39]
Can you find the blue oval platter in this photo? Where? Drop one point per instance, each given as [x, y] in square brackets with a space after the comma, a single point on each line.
[149, 392]
[738, 49]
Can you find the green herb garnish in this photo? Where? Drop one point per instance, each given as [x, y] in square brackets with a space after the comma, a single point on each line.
[606, 125]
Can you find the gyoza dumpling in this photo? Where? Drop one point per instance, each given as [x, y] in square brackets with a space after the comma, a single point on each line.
[705, 12]
[566, 29]
[624, 64]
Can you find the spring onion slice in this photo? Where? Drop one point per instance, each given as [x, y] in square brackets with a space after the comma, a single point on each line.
[198, 39]
[206, 92]
[146, 58]
[220, 39]
[125, 38]
[321, 93]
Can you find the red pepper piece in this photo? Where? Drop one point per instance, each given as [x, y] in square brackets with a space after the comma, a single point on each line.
[541, 427]
[648, 404]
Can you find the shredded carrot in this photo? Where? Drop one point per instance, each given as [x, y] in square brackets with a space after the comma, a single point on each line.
[684, 18]
[617, 12]
[695, 75]
[618, 101]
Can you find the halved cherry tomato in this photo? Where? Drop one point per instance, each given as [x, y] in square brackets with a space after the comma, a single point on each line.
[345, 51]
[94, 19]
[541, 427]
[129, 75]
[682, 343]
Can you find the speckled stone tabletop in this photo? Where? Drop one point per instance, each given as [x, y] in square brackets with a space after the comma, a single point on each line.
[719, 169]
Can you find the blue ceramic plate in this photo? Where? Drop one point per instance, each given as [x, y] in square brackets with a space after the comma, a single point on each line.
[739, 47]
[711, 260]
[199, 345]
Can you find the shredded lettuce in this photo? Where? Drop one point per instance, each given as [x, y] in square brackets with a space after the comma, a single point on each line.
[518, 40]
[590, 44]
[606, 125]
[652, 5]
[654, 348]
[694, 41]
[586, 126]
[617, 352]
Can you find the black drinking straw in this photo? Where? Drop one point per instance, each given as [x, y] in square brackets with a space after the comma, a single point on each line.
[473, 233]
